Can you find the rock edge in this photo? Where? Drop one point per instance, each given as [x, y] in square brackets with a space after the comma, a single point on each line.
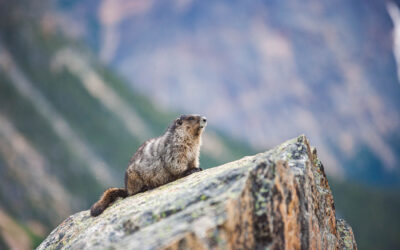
[279, 199]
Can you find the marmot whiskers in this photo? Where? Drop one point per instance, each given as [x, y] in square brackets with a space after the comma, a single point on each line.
[160, 160]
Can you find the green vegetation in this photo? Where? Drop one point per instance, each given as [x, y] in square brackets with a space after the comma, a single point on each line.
[38, 131]
[35, 239]
[373, 213]
[3, 244]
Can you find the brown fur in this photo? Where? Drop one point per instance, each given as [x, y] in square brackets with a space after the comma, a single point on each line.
[160, 160]
[109, 196]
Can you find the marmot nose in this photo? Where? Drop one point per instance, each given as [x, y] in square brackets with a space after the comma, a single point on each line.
[204, 119]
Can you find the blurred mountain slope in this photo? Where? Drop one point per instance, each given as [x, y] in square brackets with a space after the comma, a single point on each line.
[35, 150]
[328, 67]
[68, 125]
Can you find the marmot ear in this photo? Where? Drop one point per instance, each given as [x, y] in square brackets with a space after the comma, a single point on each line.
[179, 121]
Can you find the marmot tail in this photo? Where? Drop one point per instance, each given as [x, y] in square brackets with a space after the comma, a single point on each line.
[109, 196]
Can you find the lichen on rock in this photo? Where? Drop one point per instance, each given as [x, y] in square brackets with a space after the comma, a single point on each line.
[279, 199]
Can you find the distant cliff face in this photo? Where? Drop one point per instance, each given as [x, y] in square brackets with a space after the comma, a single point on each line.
[332, 73]
[279, 199]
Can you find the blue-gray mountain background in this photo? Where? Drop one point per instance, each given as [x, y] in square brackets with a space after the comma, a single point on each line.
[83, 83]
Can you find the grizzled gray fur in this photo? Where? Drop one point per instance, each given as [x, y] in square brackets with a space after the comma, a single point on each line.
[160, 160]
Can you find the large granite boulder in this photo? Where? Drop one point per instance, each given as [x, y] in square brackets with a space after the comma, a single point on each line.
[279, 199]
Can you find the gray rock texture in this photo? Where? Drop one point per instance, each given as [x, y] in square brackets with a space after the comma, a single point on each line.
[279, 199]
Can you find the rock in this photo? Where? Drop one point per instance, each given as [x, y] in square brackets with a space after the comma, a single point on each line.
[279, 199]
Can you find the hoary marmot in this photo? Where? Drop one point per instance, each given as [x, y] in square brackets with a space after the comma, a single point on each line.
[160, 160]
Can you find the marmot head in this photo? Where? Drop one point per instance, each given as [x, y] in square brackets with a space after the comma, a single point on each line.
[190, 124]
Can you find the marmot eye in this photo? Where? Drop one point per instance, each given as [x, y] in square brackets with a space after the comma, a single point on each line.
[191, 118]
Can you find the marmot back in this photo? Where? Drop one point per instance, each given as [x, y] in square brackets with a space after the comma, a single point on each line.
[160, 160]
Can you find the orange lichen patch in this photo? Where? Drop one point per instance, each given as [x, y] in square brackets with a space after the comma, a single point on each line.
[239, 223]
[289, 206]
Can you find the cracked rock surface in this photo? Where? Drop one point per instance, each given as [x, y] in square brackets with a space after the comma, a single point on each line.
[279, 199]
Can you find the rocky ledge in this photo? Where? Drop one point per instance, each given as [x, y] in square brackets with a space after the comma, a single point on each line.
[279, 199]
